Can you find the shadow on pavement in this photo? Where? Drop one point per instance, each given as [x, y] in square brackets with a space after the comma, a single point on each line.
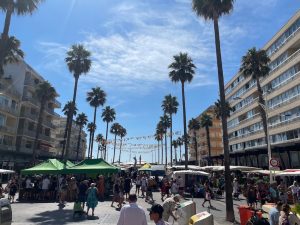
[54, 217]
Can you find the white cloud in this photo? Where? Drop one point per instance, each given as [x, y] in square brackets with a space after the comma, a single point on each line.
[134, 55]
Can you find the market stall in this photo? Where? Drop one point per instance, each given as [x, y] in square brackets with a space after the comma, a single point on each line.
[50, 166]
[92, 166]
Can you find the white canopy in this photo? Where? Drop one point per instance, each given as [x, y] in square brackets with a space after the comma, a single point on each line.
[2, 171]
[289, 173]
[222, 168]
[191, 172]
[265, 172]
[182, 167]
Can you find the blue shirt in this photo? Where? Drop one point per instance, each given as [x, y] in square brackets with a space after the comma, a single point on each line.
[274, 216]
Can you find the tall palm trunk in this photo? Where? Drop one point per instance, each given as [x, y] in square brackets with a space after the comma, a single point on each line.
[184, 128]
[5, 34]
[38, 131]
[106, 135]
[115, 148]
[158, 152]
[228, 185]
[171, 149]
[93, 134]
[166, 150]
[71, 117]
[175, 153]
[120, 151]
[180, 156]
[262, 111]
[90, 137]
[162, 151]
[7, 22]
[78, 143]
[98, 151]
[208, 144]
[65, 136]
[196, 147]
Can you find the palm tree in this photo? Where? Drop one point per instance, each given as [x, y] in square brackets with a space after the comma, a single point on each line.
[213, 10]
[91, 127]
[218, 110]
[20, 7]
[206, 122]
[66, 110]
[115, 129]
[10, 52]
[81, 121]
[170, 107]
[99, 139]
[182, 70]
[180, 143]
[158, 137]
[160, 130]
[175, 145]
[44, 93]
[79, 62]
[255, 64]
[108, 116]
[122, 133]
[96, 98]
[166, 123]
[194, 125]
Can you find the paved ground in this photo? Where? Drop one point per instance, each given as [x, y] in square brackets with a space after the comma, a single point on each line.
[51, 214]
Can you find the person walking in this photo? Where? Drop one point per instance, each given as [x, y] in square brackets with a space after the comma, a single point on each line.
[286, 218]
[169, 206]
[144, 182]
[138, 184]
[294, 189]
[132, 214]
[92, 198]
[275, 213]
[180, 183]
[101, 188]
[156, 214]
[282, 190]
[127, 187]
[13, 188]
[207, 198]
[81, 197]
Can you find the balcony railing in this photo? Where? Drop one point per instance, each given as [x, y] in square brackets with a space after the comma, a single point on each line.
[285, 122]
[31, 99]
[8, 129]
[29, 115]
[9, 109]
[7, 147]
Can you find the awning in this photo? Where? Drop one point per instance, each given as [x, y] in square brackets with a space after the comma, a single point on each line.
[191, 172]
[2, 171]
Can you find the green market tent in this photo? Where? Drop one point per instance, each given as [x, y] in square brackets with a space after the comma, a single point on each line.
[92, 166]
[50, 166]
[70, 164]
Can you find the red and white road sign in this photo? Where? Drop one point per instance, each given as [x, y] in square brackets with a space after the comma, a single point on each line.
[274, 162]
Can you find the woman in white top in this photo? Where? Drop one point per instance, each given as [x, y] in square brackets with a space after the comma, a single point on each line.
[294, 189]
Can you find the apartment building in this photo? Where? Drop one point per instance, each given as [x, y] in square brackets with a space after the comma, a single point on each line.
[19, 110]
[282, 95]
[58, 135]
[215, 134]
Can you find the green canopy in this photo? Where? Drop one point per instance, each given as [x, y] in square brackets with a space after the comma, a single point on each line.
[50, 166]
[69, 164]
[92, 166]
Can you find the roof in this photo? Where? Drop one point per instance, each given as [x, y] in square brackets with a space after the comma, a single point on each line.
[50, 166]
[92, 166]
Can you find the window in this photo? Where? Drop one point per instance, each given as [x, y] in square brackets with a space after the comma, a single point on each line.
[33, 111]
[7, 140]
[31, 126]
[2, 120]
[28, 144]
[47, 132]
[4, 100]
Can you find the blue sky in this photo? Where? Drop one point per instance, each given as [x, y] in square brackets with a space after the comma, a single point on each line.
[132, 43]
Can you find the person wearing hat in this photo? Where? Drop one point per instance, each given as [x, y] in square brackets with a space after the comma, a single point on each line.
[156, 214]
[169, 206]
[92, 198]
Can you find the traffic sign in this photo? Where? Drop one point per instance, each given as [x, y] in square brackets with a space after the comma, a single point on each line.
[274, 162]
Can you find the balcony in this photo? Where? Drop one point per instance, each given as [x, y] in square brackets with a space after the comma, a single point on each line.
[31, 99]
[48, 124]
[7, 129]
[57, 103]
[7, 147]
[26, 114]
[30, 82]
[26, 132]
[9, 109]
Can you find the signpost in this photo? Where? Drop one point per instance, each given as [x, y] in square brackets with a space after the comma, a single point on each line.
[273, 166]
